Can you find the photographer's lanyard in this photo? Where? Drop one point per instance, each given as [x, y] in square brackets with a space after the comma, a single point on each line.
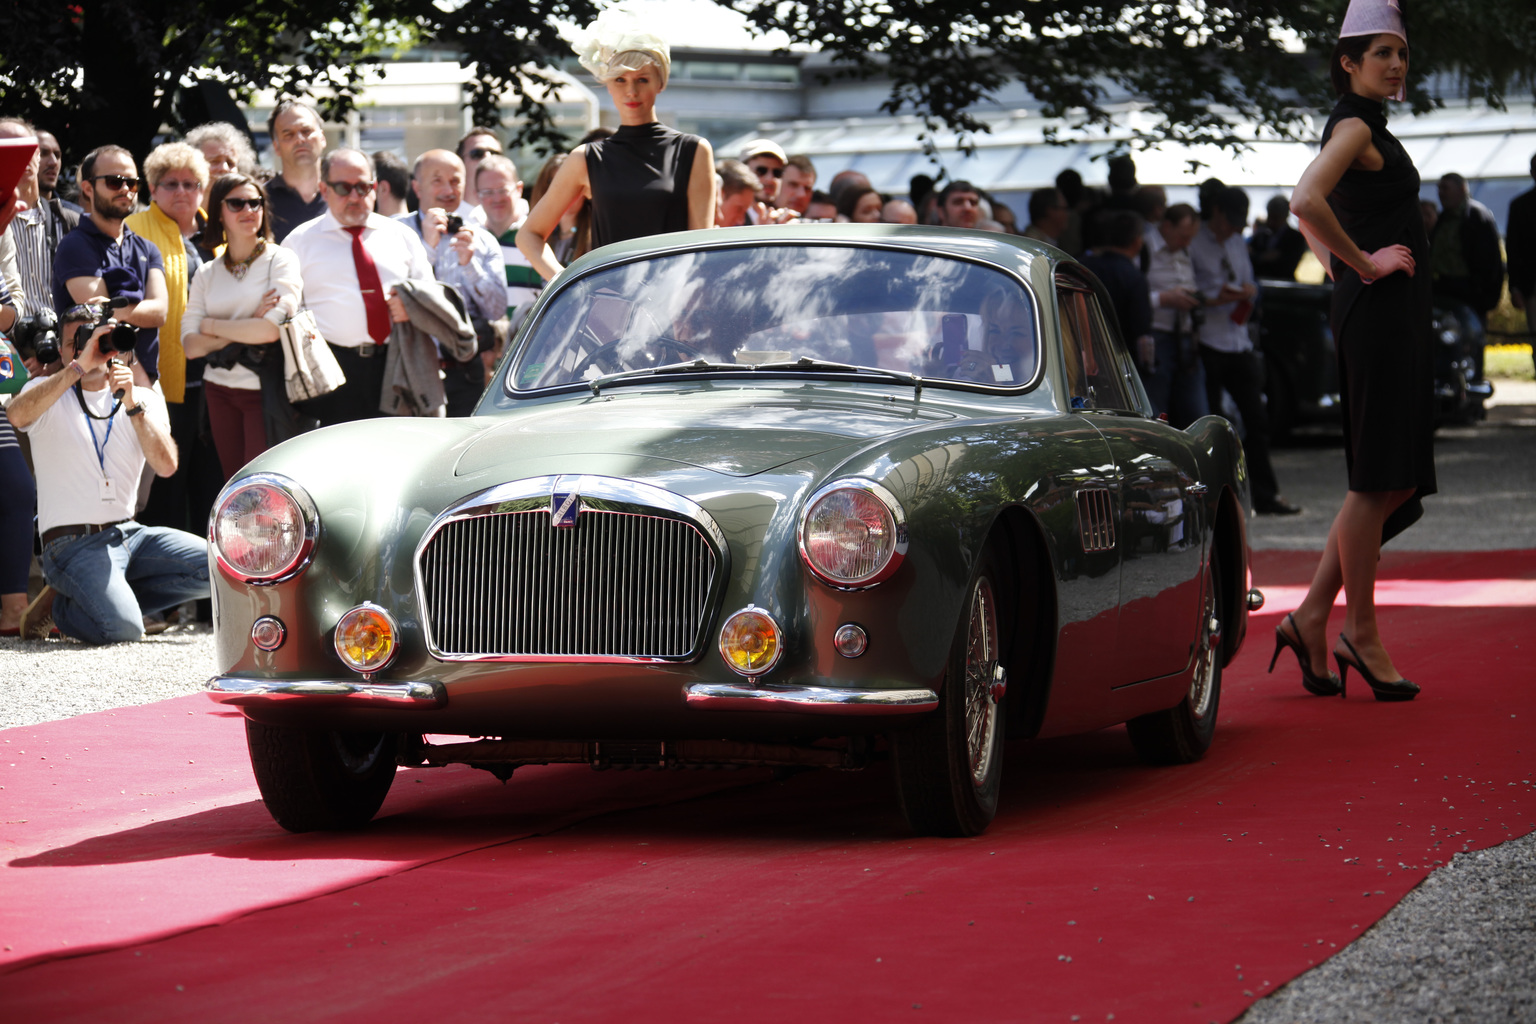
[100, 449]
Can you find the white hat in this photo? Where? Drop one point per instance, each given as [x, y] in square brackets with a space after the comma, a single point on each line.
[757, 147]
[1373, 17]
[618, 42]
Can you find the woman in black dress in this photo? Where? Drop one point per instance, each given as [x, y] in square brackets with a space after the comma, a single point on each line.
[643, 180]
[1358, 205]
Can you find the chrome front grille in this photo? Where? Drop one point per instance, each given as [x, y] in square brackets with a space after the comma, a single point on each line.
[615, 585]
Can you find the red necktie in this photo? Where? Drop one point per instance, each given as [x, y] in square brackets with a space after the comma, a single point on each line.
[373, 290]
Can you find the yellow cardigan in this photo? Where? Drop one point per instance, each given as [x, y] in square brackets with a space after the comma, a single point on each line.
[165, 233]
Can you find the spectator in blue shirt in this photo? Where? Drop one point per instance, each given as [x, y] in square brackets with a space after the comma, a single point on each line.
[102, 259]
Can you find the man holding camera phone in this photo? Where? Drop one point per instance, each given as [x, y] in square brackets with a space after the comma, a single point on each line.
[92, 431]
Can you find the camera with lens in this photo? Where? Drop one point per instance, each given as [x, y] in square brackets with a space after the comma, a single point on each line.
[121, 338]
[1197, 315]
[38, 333]
[455, 224]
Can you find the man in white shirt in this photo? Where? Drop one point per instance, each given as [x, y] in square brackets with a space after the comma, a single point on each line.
[467, 257]
[352, 259]
[92, 433]
[1224, 277]
[1174, 376]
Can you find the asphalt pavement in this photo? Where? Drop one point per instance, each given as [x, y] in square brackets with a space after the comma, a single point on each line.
[1458, 948]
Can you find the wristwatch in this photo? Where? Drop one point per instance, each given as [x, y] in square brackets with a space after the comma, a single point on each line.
[137, 410]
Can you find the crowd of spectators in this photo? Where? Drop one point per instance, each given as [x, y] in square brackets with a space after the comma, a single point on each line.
[212, 255]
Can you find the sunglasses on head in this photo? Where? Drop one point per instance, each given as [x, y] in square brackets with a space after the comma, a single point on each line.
[480, 153]
[777, 172]
[346, 188]
[116, 181]
[234, 204]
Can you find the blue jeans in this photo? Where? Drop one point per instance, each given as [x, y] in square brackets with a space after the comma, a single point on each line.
[1176, 384]
[106, 582]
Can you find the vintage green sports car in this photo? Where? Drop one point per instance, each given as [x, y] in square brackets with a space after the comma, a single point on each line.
[787, 496]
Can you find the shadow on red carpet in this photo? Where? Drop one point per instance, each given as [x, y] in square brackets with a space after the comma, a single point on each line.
[1104, 887]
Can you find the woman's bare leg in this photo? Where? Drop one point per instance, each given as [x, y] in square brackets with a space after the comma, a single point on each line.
[1311, 616]
[1359, 549]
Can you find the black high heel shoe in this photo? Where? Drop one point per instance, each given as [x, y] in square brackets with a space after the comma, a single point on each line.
[1401, 689]
[1323, 686]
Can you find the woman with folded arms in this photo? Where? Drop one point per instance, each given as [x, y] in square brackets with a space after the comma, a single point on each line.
[230, 303]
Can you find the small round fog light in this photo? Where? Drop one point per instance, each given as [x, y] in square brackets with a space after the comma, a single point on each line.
[749, 642]
[850, 640]
[268, 633]
[365, 639]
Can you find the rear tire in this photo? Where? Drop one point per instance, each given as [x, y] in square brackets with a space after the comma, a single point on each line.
[949, 767]
[1183, 733]
[317, 780]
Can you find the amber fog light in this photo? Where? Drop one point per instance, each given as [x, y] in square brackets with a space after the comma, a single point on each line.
[750, 642]
[268, 633]
[366, 639]
[850, 640]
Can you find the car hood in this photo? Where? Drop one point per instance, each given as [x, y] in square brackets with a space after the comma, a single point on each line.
[735, 432]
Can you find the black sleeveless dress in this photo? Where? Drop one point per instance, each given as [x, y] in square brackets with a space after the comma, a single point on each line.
[1382, 330]
[639, 178]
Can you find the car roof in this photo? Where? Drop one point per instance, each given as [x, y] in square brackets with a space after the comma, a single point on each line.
[995, 247]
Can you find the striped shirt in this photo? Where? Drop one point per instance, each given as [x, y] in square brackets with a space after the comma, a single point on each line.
[36, 236]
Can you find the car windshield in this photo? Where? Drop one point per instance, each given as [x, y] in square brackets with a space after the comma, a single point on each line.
[772, 306]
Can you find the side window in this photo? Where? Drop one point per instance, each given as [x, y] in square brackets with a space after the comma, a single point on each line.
[1093, 372]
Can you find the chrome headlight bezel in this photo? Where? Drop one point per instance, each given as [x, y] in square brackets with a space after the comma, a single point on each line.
[895, 554]
[304, 550]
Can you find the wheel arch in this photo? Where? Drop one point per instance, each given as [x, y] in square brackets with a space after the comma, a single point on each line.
[1228, 540]
[1032, 618]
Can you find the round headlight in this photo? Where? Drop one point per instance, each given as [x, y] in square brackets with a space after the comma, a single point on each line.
[263, 529]
[853, 533]
[750, 642]
[365, 638]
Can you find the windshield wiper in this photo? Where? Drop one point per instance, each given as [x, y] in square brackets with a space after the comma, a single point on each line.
[809, 365]
[699, 365]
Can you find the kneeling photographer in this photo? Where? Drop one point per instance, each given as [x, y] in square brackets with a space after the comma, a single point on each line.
[92, 432]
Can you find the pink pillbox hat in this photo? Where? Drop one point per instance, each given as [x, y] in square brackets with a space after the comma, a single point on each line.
[1373, 17]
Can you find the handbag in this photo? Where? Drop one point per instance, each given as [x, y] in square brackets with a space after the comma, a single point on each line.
[13, 372]
[309, 366]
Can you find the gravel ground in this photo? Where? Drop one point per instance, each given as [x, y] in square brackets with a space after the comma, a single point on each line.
[1458, 948]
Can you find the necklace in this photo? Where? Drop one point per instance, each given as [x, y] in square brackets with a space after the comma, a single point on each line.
[238, 270]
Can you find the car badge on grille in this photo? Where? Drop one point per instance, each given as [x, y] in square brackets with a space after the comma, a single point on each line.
[564, 508]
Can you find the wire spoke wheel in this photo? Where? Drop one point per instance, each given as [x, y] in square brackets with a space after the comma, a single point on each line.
[1183, 733]
[948, 766]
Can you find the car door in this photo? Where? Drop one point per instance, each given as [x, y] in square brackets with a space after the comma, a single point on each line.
[1156, 534]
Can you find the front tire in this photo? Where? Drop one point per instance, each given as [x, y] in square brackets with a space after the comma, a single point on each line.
[1183, 733]
[949, 767]
[317, 780]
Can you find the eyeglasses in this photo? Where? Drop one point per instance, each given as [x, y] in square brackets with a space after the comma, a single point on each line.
[179, 186]
[494, 193]
[480, 153]
[777, 172]
[346, 188]
[234, 204]
[116, 181]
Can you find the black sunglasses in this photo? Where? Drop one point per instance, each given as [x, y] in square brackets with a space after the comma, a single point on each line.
[346, 188]
[479, 153]
[234, 204]
[777, 172]
[116, 181]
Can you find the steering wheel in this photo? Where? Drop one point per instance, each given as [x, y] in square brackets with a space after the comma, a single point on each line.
[653, 353]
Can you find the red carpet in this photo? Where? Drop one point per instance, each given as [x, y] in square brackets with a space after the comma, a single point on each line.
[1103, 888]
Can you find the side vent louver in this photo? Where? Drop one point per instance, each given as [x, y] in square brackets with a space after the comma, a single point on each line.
[1096, 518]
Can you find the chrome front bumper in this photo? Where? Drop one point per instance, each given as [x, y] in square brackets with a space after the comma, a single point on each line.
[824, 700]
[254, 692]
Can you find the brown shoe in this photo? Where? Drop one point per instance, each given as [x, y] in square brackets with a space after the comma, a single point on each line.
[37, 620]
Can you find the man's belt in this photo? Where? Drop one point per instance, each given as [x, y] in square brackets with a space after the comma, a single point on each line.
[77, 530]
